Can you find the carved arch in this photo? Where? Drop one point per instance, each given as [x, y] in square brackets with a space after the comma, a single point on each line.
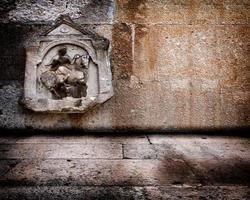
[86, 47]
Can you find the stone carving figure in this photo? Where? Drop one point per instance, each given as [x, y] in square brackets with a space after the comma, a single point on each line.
[66, 77]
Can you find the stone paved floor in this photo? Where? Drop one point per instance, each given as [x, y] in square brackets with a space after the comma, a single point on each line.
[124, 167]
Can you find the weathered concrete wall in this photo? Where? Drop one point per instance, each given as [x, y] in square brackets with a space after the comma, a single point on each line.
[175, 64]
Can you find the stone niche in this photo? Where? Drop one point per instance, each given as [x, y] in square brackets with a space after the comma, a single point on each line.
[67, 70]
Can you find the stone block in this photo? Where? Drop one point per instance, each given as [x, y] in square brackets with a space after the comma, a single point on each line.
[233, 45]
[172, 12]
[128, 103]
[233, 14]
[45, 121]
[202, 14]
[105, 30]
[122, 52]
[140, 106]
[95, 11]
[197, 148]
[179, 104]
[149, 151]
[204, 57]
[97, 119]
[183, 12]
[169, 60]
[189, 193]
[222, 172]
[234, 107]
[161, 52]
[205, 103]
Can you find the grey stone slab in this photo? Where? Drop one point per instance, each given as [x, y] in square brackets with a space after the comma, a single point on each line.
[221, 171]
[193, 151]
[9, 139]
[211, 165]
[149, 151]
[66, 151]
[205, 147]
[124, 193]
[82, 139]
[97, 172]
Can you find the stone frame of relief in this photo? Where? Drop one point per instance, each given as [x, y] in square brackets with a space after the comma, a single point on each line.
[67, 70]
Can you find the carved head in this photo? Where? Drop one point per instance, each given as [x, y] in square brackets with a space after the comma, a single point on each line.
[62, 51]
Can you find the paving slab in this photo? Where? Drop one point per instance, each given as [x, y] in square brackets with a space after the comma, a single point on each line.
[60, 150]
[85, 139]
[97, 172]
[149, 166]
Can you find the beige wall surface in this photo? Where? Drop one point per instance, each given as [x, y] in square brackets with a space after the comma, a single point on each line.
[176, 64]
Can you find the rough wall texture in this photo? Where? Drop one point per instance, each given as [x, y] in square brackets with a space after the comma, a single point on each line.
[176, 64]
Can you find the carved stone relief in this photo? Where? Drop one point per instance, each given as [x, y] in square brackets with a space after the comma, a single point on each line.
[67, 70]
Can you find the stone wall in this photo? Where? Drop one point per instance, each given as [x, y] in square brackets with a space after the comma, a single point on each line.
[176, 64]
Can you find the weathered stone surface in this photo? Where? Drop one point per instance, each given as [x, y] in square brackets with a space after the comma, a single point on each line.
[234, 14]
[134, 109]
[202, 13]
[205, 103]
[233, 47]
[122, 52]
[204, 147]
[234, 108]
[104, 30]
[11, 114]
[162, 63]
[187, 149]
[98, 172]
[229, 192]
[88, 11]
[149, 151]
[163, 52]
[99, 138]
[97, 11]
[64, 151]
[147, 11]
[183, 12]
[204, 59]
[124, 193]
[222, 172]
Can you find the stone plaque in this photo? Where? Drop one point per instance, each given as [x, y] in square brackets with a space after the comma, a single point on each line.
[67, 70]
